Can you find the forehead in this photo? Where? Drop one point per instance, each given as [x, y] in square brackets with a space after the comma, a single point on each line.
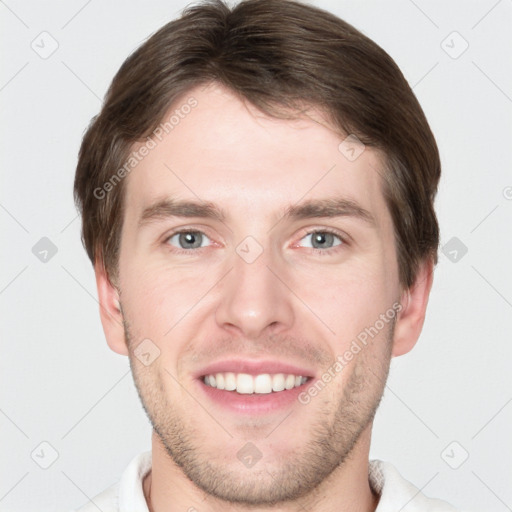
[211, 146]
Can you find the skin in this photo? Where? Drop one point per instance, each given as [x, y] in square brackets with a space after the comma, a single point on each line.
[291, 304]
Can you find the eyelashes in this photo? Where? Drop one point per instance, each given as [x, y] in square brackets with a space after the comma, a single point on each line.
[196, 238]
[330, 234]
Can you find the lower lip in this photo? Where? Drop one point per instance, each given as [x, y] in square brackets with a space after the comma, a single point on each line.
[256, 403]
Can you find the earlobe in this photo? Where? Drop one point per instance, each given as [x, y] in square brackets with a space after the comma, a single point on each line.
[414, 302]
[110, 310]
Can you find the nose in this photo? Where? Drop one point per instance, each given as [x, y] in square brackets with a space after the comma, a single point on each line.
[254, 298]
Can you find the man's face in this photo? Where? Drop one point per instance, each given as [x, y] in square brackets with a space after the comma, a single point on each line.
[259, 293]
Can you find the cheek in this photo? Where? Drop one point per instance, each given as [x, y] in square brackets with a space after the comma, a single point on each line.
[346, 298]
[158, 301]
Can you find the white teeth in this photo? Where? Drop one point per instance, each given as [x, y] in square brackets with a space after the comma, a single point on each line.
[278, 382]
[289, 383]
[263, 383]
[246, 384]
[219, 378]
[229, 381]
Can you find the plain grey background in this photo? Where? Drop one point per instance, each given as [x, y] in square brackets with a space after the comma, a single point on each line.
[445, 420]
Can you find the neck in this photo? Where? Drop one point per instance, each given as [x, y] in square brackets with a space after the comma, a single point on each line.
[166, 487]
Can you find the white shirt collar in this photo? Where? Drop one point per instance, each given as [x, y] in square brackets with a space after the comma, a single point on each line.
[395, 492]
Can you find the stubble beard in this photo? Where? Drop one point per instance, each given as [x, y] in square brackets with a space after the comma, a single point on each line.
[332, 435]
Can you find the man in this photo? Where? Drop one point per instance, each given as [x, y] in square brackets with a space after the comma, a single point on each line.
[257, 200]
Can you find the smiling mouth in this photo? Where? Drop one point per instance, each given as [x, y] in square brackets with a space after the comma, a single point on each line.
[246, 384]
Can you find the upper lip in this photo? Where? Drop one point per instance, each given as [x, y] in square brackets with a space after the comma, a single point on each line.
[253, 367]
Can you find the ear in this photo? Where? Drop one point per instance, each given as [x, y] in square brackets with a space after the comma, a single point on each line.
[414, 303]
[110, 310]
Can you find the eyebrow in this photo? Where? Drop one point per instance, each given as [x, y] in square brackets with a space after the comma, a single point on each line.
[165, 208]
[313, 208]
[329, 207]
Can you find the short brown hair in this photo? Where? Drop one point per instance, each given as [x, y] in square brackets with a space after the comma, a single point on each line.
[274, 54]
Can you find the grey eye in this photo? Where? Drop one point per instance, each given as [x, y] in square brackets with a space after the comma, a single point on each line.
[188, 239]
[322, 240]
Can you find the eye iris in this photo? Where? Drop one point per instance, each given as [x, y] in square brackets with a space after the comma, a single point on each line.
[321, 238]
[190, 238]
